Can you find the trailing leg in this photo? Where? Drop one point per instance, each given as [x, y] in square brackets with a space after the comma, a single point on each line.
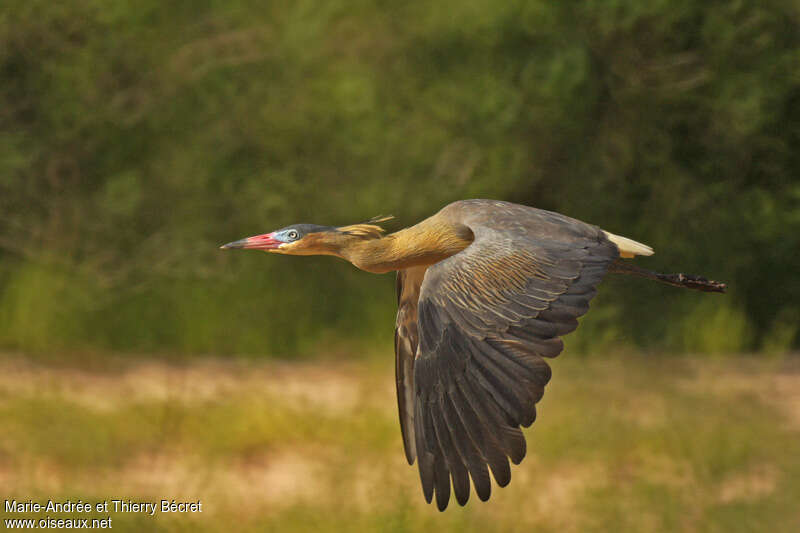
[687, 281]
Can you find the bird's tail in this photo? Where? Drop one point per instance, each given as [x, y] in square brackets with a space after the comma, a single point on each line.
[687, 281]
[628, 247]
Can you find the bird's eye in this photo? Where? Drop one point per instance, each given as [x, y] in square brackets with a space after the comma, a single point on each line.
[292, 234]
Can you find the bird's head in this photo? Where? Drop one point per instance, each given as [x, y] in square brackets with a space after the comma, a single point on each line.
[297, 239]
[309, 239]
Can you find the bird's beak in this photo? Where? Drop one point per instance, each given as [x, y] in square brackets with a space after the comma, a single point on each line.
[257, 242]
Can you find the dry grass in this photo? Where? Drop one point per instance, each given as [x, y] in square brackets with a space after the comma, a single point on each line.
[626, 444]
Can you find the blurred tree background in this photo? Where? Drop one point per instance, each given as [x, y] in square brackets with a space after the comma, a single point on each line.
[136, 137]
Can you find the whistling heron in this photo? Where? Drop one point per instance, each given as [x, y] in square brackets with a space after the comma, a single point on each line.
[484, 291]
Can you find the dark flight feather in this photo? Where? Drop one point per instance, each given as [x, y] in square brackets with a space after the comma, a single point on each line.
[471, 334]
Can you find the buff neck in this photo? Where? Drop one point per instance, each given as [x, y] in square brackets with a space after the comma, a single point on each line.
[423, 244]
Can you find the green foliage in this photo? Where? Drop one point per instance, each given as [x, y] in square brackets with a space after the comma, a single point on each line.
[137, 137]
[43, 308]
[714, 328]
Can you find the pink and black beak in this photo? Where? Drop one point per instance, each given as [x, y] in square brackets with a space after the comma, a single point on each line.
[266, 241]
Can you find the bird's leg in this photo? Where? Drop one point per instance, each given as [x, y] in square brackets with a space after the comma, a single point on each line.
[687, 281]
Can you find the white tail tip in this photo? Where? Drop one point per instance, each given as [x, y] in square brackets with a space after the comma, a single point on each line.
[628, 247]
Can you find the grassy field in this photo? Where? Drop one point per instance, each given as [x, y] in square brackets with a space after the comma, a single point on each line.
[625, 443]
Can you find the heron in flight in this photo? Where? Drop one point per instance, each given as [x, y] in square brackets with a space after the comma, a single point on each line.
[485, 290]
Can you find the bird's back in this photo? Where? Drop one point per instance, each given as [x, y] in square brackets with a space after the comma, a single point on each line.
[507, 217]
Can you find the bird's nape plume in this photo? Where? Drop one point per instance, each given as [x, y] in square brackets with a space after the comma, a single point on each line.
[368, 229]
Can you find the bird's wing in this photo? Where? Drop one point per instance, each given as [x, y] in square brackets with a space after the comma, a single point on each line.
[406, 339]
[486, 317]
